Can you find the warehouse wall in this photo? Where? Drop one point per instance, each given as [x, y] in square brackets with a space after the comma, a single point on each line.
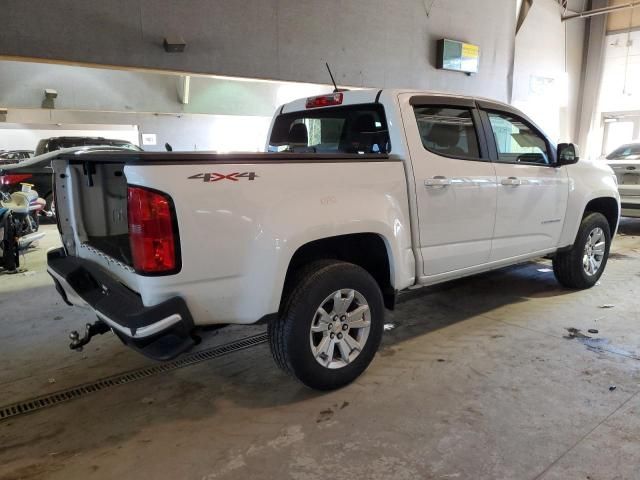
[373, 42]
[547, 75]
[22, 85]
[367, 42]
[184, 132]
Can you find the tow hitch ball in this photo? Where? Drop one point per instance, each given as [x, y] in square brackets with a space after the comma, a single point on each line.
[91, 329]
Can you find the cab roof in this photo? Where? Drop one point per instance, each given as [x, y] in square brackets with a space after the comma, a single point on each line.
[353, 97]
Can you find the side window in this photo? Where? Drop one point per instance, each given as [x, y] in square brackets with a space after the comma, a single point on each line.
[516, 141]
[448, 131]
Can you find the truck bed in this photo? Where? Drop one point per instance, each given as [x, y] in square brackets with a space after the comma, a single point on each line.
[240, 218]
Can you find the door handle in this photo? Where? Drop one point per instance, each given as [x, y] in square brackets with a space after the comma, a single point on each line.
[437, 181]
[512, 181]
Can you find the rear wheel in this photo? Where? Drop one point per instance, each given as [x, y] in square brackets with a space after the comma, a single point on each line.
[330, 327]
[583, 265]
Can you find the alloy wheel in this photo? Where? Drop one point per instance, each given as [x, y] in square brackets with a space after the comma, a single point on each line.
[340, 328]
[594, 251]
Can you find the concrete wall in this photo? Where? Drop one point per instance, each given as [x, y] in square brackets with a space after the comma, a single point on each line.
[621, 74]
[547, 75]
[185, 132]
[22, 85]
[368, 42]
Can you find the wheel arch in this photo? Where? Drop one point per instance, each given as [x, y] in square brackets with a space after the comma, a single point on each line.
[370, 251]
[607, 206]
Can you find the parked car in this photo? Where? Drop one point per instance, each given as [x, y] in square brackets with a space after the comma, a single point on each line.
[37, 170]
[411, 189]
[14, 156]
[58, 143]
[625, 161]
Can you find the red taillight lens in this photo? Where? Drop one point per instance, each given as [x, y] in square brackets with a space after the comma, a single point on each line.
[152, 235]
[325, 100]
[14, 179]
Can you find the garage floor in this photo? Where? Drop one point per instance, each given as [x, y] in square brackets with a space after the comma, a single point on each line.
[478, 379]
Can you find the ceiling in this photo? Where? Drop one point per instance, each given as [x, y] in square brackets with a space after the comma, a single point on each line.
[621, 21]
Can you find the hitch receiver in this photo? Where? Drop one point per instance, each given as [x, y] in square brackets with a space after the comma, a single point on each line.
[91, 329]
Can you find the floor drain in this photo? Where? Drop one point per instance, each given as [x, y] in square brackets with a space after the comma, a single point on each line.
[45, 401]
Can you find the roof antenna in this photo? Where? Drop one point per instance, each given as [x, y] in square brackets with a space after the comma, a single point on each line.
[335, 87]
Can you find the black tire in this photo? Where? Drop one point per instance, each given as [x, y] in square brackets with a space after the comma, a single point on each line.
[290, 334]
[568, 266]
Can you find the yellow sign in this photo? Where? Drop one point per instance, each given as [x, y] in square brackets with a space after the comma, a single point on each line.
[458, 56]
[470, 51]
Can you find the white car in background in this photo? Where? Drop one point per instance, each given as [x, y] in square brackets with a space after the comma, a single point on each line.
[625, 161]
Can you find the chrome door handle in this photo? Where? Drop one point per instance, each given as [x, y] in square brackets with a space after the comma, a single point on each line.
[437, 181]
[512, 181]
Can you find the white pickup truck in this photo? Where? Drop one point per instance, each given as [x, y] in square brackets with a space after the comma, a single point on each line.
[361, 195]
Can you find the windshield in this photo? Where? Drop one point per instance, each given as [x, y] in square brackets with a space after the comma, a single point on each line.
[350, 129]
[630, 152]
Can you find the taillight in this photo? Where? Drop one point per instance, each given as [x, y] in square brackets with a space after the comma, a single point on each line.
[325, 100]
[13, 179]
[152, 232]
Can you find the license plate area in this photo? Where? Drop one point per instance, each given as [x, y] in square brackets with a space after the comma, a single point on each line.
[630, 179]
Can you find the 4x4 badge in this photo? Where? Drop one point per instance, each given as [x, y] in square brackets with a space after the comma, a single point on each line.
[216, 177]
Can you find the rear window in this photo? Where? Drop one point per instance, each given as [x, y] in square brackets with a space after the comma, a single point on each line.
[350, 129]
[627, 151]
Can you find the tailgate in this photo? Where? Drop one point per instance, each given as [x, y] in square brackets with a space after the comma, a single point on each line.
[628, 174]
[91, 206]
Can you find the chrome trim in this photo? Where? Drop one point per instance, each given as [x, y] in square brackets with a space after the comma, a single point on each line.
[142, 332]
[72, 296]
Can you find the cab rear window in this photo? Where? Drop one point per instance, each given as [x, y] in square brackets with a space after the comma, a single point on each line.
[349, 129]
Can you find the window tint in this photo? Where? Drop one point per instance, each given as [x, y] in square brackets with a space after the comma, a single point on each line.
[516, 141]
[448, 131]
[350, 129]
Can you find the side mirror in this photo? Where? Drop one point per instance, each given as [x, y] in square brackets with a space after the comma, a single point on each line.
[567, 154]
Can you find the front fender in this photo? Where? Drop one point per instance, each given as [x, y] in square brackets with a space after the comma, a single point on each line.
[588, 180]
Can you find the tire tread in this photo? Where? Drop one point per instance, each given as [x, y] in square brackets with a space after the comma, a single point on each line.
[281, 329]
[567, 266]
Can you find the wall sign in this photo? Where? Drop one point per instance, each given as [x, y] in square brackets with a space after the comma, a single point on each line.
[458, 56]
[149, 139]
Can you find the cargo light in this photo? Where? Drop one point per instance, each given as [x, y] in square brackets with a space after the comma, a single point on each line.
[13, 179]
[153, 232]
[325, 100]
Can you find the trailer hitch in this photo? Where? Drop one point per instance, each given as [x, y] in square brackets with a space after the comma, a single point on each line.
[91, 329]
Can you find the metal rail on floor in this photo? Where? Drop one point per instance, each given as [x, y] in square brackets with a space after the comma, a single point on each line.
[45, 401]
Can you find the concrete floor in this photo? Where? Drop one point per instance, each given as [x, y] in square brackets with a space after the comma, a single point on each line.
[479, 379]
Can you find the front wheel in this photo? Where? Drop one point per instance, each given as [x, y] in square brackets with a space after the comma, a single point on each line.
[583, 265]
[330, 327]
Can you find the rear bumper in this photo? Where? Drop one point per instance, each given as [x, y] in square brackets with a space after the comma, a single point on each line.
[630, 206]
[160, 332]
